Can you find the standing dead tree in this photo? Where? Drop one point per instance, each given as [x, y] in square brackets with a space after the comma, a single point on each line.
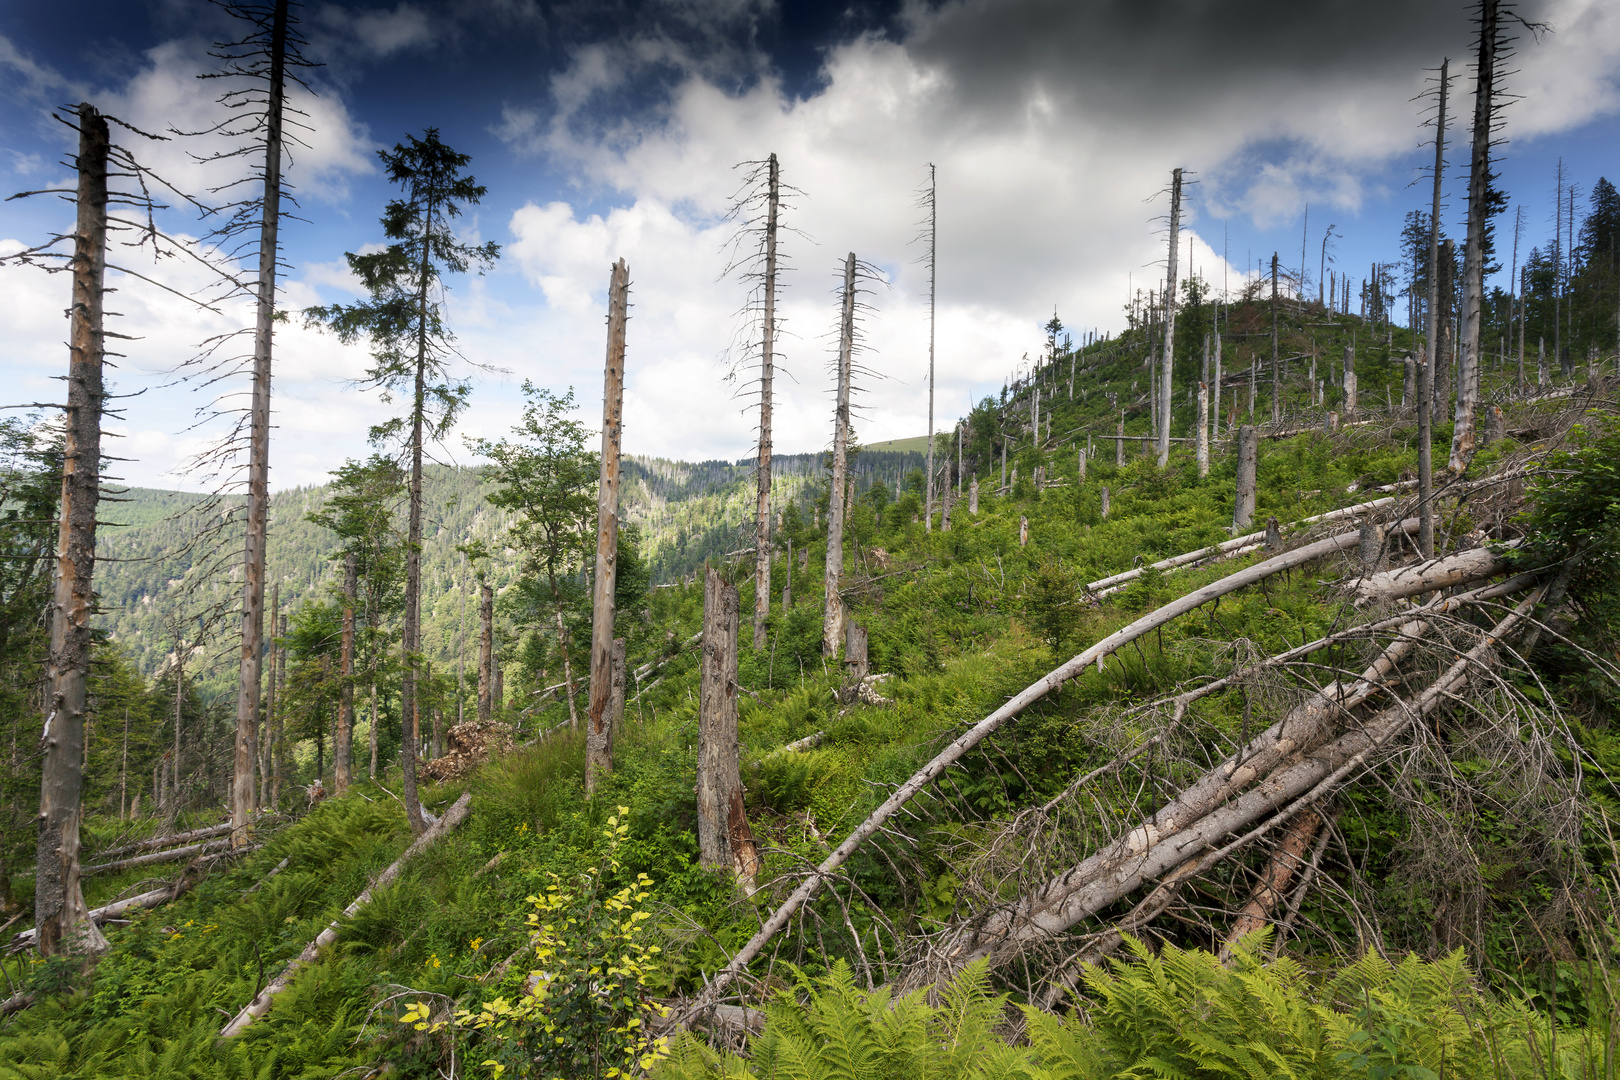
[832, 617]
[928, 200]
[598, 728]
[723, 834]
[756, 257]
[1427, 364]
[1168, 361]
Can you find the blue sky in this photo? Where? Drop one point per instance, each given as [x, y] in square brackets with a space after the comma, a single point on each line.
[609, 129]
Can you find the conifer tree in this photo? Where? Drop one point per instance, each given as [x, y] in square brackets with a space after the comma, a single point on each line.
[412, 348]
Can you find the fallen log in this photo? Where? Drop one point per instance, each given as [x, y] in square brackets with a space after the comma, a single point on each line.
[172, 855]
[261, 1003]
[1460, 568]
[1047, 684]
[155, 842]
[1235, 544]
[1106, 878]
[1286, 859]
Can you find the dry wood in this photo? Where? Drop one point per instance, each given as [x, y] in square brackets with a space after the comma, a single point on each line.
[255, 546]
[486, 651]
[260, 1005]
[343, 737]
[1286, 859]
[156, 842]
[1111, 875]
[1049, 683]
[1479, 212]
[719, 780]
[172, 855]
[598, 727]
[1248, 458]
[1442, 573]
[1168, 326]
[832, 617]
[60, 912]
[1429, 355]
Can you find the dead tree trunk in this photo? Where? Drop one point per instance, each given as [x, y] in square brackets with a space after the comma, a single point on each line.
[1200, 419]
[1473, 292]
[933, 222]
[486, 650]
[620, 672]
[269, 785]
[61, 917]
[1276, 356]
[1443, 573]
[832, 619]
[719, 781]
[343, 738]
[1248, 455]
[767, 372]
[260, 1005]
[1285, 861]
[598, 732]
[1428, 365]
[1167, 363]
[1351, 402]
[258, 500]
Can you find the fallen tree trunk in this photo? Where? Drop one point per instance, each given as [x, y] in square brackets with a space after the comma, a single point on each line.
[1233, 545]
[1049, 683]
[1109, 876]
[1285, 860]
[1442, 573]
[172, 855]
[165, 894]
[156, 842]
[261, 1004]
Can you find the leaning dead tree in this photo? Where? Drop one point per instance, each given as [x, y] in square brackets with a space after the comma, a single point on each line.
[1168, 329]
[598, 729]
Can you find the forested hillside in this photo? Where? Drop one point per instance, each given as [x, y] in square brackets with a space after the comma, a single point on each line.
[1233, 694]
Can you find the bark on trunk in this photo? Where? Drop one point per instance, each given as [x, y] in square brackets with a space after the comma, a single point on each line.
[832, 618]
[767, 373]
[1276, 356]
[60, 915]
[343, 738]
[598, 722]
[718, 778]
[1473, 293]
[260, 1005]
[1167, 361]
[933, 234]
[1443, 573]
[486, 651]
[1248, 455]
[1286, 860]
[258, 493]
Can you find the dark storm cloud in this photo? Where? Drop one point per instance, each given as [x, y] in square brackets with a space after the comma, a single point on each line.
[1147, 59]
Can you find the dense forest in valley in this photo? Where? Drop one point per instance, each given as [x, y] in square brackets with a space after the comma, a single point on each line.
[1234, 693]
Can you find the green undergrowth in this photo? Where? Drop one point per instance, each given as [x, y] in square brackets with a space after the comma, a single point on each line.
[960, 621]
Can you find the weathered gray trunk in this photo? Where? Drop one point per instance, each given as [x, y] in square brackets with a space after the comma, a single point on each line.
[933, 221]
[1427, 364]
[832, 619]
[1167, 361]
[1248, 455]
[1442, 573]
[719, 782]
[343, 737]
[973, 497]
[61, 918]
[1201, 417]
[1276, 356]
[1473, 291]
[486, 650]
[1104, 502]
[1351, 402]
[258, 493]
[767, 373]
[598, 729]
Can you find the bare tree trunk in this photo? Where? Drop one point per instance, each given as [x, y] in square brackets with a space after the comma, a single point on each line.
[1351, 402]
[1419, 578]
[1286, 859]
[1248, 455]
[260, 1005]
[281, 763]
[1473, 296]
[1200, 419]
[832, 620]
[767, 373]
[258, 500]
[719, 783]
[61, 918]
[615, 707]
[486, 650]
[1276, 356]
[1167, 364]
[1428, 366]
[1215, 388]
[598, 732]
[933, 222]
[371, 736]
[343, 738]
